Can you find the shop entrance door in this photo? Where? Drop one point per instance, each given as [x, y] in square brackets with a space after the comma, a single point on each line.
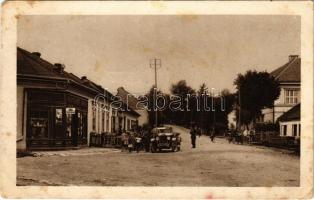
[71, 125]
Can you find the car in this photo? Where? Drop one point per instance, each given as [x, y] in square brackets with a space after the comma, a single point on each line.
[164, 138]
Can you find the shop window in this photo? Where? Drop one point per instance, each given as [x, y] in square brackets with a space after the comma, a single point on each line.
[38, 124]
[69, 125]
[79, 125]
[58, 116]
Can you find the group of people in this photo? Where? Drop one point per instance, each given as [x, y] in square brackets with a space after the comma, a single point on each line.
[241, 136]
[135, 140]
[196, 131]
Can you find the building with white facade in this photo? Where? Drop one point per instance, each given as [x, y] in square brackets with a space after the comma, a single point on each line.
[290, 85]
[290, 124]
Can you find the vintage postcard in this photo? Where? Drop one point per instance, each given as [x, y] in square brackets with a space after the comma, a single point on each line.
[156, 100]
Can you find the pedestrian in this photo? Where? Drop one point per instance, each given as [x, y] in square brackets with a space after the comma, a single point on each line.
[124, 139]
[212, 135]
[199, 131]
[138, 142]
[193, 137]
[131, 141]
[245, 135]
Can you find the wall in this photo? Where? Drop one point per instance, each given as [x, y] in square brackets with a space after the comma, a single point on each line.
[99, 118]
[280, 106]
[281, 98]
[143, 118]
[289, 128]
[21, 107]
[126, 117]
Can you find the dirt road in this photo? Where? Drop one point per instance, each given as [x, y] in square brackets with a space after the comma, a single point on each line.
[210, 164]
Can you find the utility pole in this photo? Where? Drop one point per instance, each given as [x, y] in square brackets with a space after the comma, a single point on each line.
[156, 64]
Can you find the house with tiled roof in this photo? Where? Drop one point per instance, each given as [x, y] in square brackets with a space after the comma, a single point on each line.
[55, 108]
[289, 78]
[289, 122]
[132, 102]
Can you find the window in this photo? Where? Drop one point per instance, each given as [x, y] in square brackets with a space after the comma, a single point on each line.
[69, 125]
[128, 124]
[103, 121]
[292, 96]
[133, 124]
[58, 116]
[299, 130]
[284, 130]
[107, 121]
[94, 120]
[39, 127]
[80, 125]
[295, 129]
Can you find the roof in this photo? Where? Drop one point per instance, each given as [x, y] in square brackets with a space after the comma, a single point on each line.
[128, 98]
[292, 114]
[129, 101]
[289, 72]
[31, 64]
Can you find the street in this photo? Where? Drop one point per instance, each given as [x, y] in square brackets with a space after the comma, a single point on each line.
[210, 164]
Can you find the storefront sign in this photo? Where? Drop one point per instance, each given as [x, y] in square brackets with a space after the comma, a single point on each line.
[70, 111]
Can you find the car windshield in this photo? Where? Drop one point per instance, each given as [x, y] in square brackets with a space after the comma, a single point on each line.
[164, 130]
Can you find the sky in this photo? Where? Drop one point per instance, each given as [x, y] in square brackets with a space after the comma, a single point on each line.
[115, 50]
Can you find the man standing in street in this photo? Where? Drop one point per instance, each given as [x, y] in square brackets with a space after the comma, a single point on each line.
[212, 135]
[193, 136]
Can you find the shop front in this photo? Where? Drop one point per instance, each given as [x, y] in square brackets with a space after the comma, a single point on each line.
[55, 119]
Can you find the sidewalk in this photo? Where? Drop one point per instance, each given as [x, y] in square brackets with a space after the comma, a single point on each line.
[78, 152]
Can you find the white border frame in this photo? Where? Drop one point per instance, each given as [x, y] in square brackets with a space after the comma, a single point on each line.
[13, 9]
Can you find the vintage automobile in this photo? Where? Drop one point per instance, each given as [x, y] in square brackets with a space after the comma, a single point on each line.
[164, 138]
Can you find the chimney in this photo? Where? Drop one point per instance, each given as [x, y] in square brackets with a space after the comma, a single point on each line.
[36, 54]
[57, 67]
[84, 79]
[293, 57]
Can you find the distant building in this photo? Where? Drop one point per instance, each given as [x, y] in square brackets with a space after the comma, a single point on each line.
[290, 83]
[133, 104]
[289, 122]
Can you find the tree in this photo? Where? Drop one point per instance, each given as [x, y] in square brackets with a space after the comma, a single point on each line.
[151, 106]
[181, 89]
[201, 115]
[255, 91]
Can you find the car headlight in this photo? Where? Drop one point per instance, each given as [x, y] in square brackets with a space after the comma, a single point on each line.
[168, 138]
